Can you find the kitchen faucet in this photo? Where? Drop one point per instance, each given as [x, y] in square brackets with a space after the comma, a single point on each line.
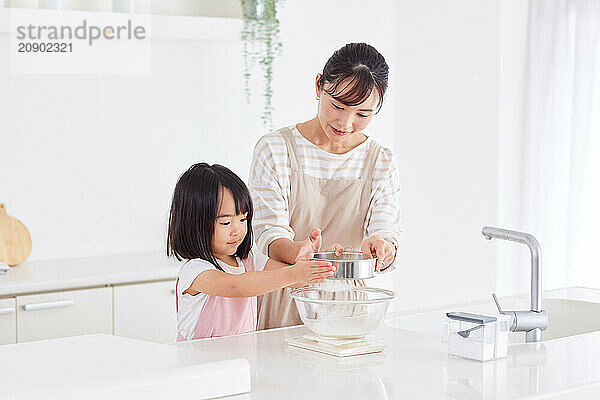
[532, 322]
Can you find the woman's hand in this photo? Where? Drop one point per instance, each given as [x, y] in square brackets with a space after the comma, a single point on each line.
[307, 271]
[383, 249]
[311, 245]
[336, 248]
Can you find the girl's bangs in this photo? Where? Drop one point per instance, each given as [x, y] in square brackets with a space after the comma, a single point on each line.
[241, 197]
[242, 204]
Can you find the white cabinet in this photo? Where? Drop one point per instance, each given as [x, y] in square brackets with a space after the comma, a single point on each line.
[146, 311]
[66, 313]
[8, 321]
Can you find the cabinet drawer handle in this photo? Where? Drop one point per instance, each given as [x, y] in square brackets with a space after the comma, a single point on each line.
[48, 305]
[6, 311]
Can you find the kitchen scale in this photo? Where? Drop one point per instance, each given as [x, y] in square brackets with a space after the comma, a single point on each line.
[338, 347]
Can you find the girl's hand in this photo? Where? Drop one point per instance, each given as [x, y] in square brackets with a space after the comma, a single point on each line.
[307, 271]
[311, 245]
[376, 246]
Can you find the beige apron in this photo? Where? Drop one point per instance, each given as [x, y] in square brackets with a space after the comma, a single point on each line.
[338, 207]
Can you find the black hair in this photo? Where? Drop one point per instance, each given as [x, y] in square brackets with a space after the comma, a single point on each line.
[364, 66]
[194, 208]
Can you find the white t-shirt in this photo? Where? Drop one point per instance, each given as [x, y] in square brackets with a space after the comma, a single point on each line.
[190, 307]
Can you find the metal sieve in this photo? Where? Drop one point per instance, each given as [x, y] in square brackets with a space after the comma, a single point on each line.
[350, 264]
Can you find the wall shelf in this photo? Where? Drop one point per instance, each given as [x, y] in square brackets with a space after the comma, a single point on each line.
[161, 26]
[192, 8]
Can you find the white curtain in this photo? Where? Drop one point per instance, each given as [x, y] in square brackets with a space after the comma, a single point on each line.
[561, 177]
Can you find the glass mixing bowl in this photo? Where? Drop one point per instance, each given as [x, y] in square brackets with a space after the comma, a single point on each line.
[351, 312]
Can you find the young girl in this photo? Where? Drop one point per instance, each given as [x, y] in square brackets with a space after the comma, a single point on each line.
[210, 226]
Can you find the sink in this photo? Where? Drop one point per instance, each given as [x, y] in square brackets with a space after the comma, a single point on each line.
[565, 318]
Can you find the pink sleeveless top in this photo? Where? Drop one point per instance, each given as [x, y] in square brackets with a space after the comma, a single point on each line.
[223, 316]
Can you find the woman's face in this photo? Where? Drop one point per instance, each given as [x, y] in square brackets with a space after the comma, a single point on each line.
[338, 120]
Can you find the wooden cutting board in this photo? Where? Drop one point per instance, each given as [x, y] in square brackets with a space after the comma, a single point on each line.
[15, 241]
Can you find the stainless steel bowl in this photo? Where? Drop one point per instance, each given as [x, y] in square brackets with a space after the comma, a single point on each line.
[346, 313]
[350, 264]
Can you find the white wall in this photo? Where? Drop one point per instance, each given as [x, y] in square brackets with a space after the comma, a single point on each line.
[514, 265]
[90, 161]
[446, 143]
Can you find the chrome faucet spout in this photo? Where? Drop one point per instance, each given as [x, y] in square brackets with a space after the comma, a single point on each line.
[536, 258]
[536, 320]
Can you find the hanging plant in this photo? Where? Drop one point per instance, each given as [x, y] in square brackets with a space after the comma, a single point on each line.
[260, 36]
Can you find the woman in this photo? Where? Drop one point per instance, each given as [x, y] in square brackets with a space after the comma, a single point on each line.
[327, 173]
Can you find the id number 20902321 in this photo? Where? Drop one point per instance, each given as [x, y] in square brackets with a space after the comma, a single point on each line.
[45, 47]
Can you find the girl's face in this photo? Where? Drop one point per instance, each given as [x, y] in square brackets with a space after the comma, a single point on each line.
[230, 229]
[338, 120]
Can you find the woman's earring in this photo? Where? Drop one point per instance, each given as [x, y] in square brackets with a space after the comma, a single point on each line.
[318, 98]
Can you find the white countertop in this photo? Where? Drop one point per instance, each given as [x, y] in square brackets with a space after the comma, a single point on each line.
[415, 366]
[110, 367]
[78, 273]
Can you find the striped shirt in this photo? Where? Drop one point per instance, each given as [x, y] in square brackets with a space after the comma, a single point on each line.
[269, 185]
